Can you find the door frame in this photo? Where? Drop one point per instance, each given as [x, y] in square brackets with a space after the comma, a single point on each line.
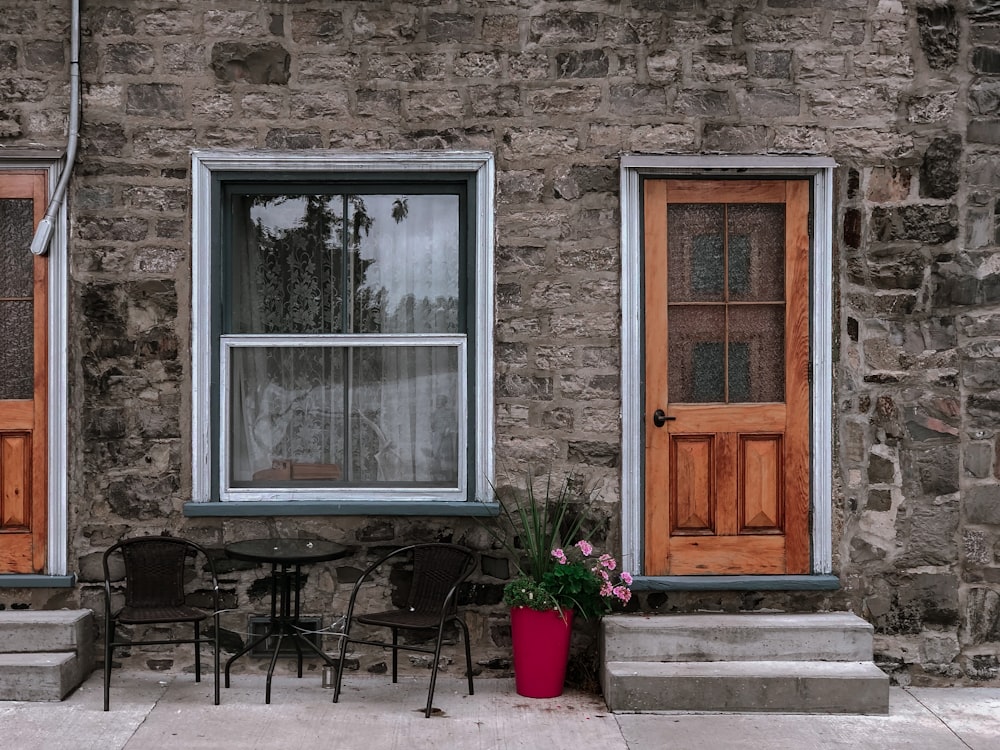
[819, 169]
[56, 574]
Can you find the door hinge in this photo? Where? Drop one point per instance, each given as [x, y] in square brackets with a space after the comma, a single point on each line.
[809, 373]
[809, 224]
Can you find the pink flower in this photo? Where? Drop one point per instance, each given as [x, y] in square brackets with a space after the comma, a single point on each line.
[607, 589]
[627, 578]
[585, 547]
[559, 555]
[622, 593]
[603, 574]
[608, 562]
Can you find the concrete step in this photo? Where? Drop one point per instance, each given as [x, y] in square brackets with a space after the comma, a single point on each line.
[747, 686]
[27, 630]
[835, 636]
[39, 676]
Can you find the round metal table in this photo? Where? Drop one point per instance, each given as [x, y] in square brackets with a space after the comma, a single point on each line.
[286, 557]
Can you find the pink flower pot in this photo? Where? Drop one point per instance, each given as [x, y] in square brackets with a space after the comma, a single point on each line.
[541, 650]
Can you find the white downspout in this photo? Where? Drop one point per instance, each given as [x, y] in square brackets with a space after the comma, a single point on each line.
[43, 234]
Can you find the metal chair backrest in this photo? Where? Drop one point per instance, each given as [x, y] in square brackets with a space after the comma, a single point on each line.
[437, 570]
[154, 570]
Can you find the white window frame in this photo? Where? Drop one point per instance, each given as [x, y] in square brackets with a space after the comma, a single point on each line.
[819, 170]
[480, 166]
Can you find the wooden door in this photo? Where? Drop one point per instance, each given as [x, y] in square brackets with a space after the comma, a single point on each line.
[23, 375]
[726, 268]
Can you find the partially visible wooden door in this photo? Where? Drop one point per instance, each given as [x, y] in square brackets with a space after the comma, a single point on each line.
[726, 267]
[23, 375]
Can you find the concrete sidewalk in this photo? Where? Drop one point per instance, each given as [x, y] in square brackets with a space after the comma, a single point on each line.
[153, 712]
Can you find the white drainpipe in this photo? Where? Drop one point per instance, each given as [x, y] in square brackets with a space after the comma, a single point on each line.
[40, 242]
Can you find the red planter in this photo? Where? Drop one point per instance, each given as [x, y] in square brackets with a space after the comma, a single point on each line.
[541, 650]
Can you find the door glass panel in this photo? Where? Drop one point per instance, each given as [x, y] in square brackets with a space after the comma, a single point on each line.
[756, 353]
[695, 360]
[756, 233]
[16, 280]
[695, 245]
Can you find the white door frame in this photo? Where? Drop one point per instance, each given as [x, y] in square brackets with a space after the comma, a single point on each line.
[820, 170]
[57, 529]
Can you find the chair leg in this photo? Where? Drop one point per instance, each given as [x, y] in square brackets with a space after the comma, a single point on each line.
[395, 653]
[216, 658]
[434, 671]
[109, 629]
[197, 652]
[344, 640]
[468, 652]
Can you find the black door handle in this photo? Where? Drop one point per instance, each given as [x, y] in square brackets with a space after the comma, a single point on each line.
[660, 418]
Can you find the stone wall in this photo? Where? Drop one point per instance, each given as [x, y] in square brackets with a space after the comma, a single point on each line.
[904, 95]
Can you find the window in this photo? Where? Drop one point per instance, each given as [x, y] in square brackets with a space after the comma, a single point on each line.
[342, 324]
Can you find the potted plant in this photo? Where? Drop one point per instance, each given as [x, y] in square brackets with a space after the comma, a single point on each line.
[559, 575]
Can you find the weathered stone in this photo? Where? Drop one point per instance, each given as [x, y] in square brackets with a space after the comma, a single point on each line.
[130, 57]
[978, 460]
[887, 268]
[939, 171]
[938, 28]
[986, 60]
[928, 532]
[590, 63]
[251, 63]
[735, 139]
[879, 501]
[773, 63]
[594, 453]
[282, 138]
[563, 27]
[155, 100]
[983, 615]
[881, 470]
[982, 504]
[976, 547]
[937, 107]
[767, 103]
[926, 223]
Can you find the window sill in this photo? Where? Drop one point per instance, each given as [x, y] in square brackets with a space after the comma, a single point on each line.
[337, 508]
[35, 581]
[736, 583]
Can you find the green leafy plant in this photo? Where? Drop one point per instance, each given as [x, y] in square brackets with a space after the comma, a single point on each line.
[534, 533]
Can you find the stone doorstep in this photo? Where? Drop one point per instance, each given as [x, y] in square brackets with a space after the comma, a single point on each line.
[836, 636]
[39, 676]
[738, 687]
[23, 631]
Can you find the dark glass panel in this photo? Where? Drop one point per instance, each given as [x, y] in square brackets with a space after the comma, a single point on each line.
[695, 252]
[17, 370]
[16, 228]
[756, 353]
[756, 234]
[695, 359]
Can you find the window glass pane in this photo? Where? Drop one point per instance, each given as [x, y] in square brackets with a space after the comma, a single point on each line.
[695, 245]
[405, 252]
[286, 415]
[16, 291]
[288, 406]
[16, 350]
[756, 252]
[16, 230]
[756, 353]
[695, 361]
[286, 264]
[405, 404]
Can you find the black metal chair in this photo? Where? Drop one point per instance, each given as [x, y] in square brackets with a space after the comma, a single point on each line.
[438, 569]
[156, 568]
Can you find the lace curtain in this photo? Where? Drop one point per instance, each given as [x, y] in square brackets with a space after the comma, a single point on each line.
[368, 414]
